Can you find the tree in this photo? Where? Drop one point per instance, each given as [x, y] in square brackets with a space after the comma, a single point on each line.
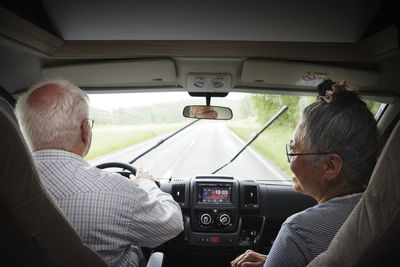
[267, 105]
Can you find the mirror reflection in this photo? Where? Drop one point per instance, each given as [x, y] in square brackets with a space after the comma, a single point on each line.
[207, 112]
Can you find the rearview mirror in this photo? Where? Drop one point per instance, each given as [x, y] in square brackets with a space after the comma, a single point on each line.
[207, 112]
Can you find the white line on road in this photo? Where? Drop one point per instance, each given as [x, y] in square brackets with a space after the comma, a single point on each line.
[192, 143]
[168, 173]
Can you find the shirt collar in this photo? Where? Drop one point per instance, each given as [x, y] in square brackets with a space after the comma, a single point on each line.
[56, 154]
[345, 197]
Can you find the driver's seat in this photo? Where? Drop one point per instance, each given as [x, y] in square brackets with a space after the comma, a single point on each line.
[34, 232]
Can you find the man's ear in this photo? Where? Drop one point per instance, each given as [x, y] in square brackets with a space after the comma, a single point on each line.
[332, 166]
[85, 132]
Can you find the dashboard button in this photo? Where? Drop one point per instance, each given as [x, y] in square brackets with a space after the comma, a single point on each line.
[224, 219]
[205, 219]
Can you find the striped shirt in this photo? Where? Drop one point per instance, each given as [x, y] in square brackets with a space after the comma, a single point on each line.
[306, 234]
[111, 213]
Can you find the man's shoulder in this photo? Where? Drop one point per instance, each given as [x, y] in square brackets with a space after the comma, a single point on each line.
[66, 173]
[105, 180]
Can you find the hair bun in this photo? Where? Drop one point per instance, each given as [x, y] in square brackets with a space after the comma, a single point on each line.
[328, 90]
[325, 85]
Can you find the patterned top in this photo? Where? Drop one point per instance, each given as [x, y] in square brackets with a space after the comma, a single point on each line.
[306, 234]
[111, 213]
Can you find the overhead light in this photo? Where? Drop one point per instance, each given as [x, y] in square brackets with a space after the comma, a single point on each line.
[218, 84]
[199, 83]
[208, 82]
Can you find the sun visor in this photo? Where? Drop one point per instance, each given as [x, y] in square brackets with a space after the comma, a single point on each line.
[160, 72]
[265, 73]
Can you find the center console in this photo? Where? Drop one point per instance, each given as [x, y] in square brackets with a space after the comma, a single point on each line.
[215, 206]
[219, 210]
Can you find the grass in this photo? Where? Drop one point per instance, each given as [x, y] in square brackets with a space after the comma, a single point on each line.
[271, 143]
[108, 138]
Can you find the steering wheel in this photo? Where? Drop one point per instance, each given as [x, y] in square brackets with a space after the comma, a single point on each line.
[122, 165]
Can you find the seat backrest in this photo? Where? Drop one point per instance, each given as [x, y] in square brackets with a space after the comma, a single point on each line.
[369, 237]
[7, 102]
[33, 230]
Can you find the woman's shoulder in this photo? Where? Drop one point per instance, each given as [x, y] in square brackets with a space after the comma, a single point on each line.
[331, 211]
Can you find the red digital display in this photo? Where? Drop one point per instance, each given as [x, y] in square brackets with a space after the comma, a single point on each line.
[214, 239]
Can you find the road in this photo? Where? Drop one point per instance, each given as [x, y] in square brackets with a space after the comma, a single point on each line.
[199, 150]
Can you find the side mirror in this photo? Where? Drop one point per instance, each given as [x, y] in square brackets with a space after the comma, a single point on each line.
[207, 112]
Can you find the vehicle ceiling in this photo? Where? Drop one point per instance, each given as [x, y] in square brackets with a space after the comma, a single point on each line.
[199, 37]
[211, 20]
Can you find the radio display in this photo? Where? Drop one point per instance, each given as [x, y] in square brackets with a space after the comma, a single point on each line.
[214, 194]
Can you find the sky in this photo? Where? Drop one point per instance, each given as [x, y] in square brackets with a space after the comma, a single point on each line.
[112, 101]
[125, 100]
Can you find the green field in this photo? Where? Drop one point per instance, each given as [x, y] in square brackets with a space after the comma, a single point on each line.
[271, 143]
[108, 138]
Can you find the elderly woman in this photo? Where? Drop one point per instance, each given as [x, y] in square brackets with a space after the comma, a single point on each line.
[332, 155]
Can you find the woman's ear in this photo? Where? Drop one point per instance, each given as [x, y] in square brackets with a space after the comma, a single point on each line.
[332, 166]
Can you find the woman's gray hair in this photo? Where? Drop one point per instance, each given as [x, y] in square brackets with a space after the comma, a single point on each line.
[345, 127]
[55, 122]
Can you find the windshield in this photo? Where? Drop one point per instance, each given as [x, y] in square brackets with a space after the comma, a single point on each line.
[126, 125]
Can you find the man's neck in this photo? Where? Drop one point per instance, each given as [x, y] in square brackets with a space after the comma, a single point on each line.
[78, 149]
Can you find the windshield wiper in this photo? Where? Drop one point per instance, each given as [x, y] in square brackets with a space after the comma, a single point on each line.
[283, 109]
[162, 141]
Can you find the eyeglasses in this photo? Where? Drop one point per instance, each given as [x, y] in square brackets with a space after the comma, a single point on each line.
[90, 123]
[290, 154]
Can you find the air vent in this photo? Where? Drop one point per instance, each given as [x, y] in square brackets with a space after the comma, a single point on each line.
[178, 193]
[250, 196]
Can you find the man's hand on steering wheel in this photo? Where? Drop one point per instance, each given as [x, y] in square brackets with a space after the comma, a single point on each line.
[142, 175]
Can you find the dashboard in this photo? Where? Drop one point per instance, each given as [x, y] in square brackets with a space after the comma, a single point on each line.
[221, 212]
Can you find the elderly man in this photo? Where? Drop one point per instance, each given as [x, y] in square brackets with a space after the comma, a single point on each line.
[112, 214]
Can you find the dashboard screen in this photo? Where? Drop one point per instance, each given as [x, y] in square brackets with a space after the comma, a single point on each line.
[215, 194]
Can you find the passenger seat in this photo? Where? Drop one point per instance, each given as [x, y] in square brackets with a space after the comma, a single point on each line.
[370, 235]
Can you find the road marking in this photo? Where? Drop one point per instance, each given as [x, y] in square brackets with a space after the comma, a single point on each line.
[168, 173]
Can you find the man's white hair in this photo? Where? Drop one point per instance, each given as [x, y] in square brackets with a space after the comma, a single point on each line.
[55, 122]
